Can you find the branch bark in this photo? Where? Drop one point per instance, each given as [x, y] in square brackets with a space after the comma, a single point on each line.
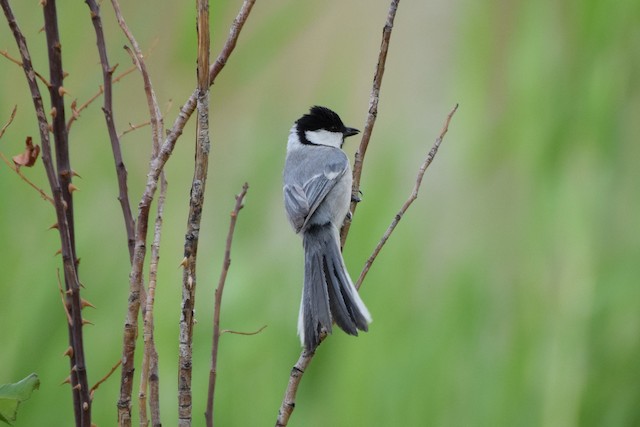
[58, 178]
[107, 108]
[371, 116]
[218, 304]
[136, 288]
[196, 203]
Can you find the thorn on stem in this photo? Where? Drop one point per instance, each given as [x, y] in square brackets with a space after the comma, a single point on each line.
[84, 303]
[68, 352]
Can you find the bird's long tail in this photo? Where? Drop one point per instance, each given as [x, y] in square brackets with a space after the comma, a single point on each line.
[328, 294]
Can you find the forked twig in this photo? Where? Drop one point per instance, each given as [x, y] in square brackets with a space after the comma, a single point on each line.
[218, 304]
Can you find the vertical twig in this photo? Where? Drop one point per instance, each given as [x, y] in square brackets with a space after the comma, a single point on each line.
[136, 289]
[80, 388]
[107, 108]
[149, 375]
[65, 175]
[288, 402]
[196, 202]
[218, 304]
[371, 116]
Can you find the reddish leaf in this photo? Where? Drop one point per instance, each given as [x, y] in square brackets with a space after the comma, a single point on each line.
[29, 156]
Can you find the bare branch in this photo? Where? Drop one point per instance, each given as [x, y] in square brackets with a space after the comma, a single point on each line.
[149, 375]
[17, 170]
[11, 117]
[196, 203]
[103, 379]
[17, 62]
[371, 116]
[136, 289]
[217, 305]
[410, 200]
[229, 331]
[133, 127]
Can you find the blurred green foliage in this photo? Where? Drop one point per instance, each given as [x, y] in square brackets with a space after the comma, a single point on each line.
[508, 295]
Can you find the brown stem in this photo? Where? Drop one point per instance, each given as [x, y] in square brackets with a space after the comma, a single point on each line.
[371, 116]
[107, 108]
[196, 202]
[149, 375]
[136, 289]
[218, 304]
[80, 389]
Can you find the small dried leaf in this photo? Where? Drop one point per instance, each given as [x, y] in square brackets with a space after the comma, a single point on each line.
[29, 156]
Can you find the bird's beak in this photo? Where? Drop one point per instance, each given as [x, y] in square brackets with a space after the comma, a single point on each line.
[350, 132]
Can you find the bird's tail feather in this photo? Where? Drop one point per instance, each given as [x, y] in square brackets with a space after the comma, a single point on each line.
[328, 294]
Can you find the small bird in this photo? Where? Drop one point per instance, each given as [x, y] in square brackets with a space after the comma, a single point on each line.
[317, 194]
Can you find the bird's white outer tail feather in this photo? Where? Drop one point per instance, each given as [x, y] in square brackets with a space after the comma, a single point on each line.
[329, 294]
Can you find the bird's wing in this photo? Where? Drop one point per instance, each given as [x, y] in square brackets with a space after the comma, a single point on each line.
[301, 201]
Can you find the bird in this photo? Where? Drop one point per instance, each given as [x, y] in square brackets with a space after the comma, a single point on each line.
[317, 191]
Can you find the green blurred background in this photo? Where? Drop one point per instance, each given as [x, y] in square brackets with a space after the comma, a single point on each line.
[508, 295]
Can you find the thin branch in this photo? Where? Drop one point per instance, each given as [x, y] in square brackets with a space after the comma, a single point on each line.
[149, 375]
[229, 331]
[232, 39]
[19, 63]
[141, 227]
[371, 116]
[107, 108]
[410, 200]
[14, 167]
[288, 402]
[11, 117]
[136, 289]
[64, 210]
[103, 379]
[17, 170]
[217, 305]
[196, 203]
[76, 111]
[133, 127]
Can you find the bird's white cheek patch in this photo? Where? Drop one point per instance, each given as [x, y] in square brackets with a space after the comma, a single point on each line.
[324, 137]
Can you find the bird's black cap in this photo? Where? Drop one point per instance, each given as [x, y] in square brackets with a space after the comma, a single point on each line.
[322, 118]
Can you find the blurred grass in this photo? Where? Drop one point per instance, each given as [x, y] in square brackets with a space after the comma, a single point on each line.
[507, 296]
